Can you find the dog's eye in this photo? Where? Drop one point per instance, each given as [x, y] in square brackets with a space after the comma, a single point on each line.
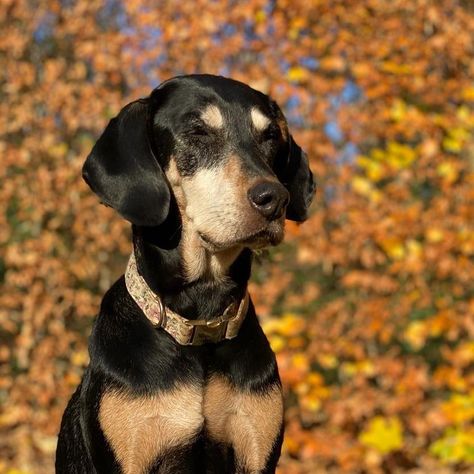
[271, 133]
[198, 131]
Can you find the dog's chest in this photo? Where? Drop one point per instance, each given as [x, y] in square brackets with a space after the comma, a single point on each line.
[141, 430]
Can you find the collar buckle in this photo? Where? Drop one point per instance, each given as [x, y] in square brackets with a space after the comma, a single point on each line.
[204, 334]
[214, 323]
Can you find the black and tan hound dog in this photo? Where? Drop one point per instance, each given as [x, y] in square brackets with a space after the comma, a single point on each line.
[181, 377]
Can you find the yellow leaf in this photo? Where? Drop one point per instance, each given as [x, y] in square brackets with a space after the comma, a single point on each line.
[456, 139]
[400, 156]
[260, 16]
[277, 343]
[393, 247]
[290, 445]
[452, 145]
[398, 111]
[362, 186]
[434, 235]
[415, 334]
[459, 408]
[456, 445]
[297, 74]
[328, 361]
[468, 93]
[291, 325]
[300, 361]
[288, 325]
[465, 352]
[383, 434]
[58, 150]
[80, 358]
[373, 169]
[394, 68]
[448, 171]
[414, 248]
[310, 402]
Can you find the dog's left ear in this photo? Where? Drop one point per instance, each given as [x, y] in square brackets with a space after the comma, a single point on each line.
[294, 172]
[123, 170]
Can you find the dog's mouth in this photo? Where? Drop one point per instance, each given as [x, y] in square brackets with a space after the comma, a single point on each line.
[271, 235]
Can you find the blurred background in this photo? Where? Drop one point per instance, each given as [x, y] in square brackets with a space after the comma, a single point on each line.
[369, 305]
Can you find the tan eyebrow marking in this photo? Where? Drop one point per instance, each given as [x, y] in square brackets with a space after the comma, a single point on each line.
[212, 116]
[259, 120]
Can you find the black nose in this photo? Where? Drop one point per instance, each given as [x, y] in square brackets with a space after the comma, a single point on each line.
[269, 198]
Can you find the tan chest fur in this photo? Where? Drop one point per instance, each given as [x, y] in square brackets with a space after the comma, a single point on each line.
[142, 429]
[249, 422]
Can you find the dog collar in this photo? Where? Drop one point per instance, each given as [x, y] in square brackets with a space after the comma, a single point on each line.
[188, 332]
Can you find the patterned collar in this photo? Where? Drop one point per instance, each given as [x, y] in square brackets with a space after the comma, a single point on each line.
[188, 332]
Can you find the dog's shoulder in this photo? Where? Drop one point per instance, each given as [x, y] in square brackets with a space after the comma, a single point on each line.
[125, 347]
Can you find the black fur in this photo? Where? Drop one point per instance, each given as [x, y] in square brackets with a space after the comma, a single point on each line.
[123, 171]
[125, 168]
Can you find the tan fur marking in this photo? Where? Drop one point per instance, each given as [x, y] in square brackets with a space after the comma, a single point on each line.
[212, 116]
[195, 258]
[140, 429]
[213, 202]
[259, 120]
[250, 422]
[172, 173]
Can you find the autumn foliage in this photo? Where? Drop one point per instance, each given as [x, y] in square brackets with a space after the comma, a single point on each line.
[369, 305]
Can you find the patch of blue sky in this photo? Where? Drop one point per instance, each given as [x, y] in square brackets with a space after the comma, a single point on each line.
[224, 70]
[216, 38]
[45, 27]
[229, 29]
[305, 32]
[269, 7]
[284, 65]
[335, 102]
[112, 14]
[309, 62]
[249, 31]
[347, 150]
[154, 32]
[351, 92]
[329, 191]
[333, 132]
[153, 36]
[292, 102]
[58, 120]
[347, 154]
[67, 3]
[295, 119]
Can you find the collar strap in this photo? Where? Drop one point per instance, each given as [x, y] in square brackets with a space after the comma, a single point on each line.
[188, 332]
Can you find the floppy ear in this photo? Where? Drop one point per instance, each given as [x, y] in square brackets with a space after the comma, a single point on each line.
[297, 177]
[123, 170]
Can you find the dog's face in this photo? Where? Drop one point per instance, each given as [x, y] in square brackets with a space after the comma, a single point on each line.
[220, 147]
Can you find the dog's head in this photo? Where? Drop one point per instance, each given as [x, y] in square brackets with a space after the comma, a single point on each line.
[222, 148]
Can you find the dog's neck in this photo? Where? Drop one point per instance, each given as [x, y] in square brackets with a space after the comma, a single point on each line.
[160, 260]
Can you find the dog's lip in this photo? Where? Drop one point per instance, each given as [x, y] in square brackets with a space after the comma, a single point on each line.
[266, 234]
[208, 243]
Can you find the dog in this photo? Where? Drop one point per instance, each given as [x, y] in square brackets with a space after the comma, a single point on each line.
[181, 377]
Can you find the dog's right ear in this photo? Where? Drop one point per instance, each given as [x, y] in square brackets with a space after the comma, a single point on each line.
[123, 170]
